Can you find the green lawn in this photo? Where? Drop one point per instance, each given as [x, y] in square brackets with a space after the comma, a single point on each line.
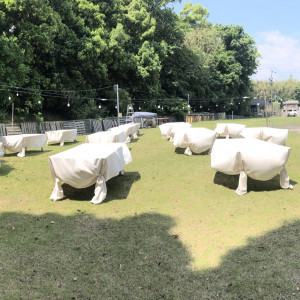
[170, 228]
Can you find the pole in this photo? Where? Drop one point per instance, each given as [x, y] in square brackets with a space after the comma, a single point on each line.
[12, 114]
[266, 108]
[118, 105]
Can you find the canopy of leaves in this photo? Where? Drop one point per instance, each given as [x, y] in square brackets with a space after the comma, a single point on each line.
[75, 51]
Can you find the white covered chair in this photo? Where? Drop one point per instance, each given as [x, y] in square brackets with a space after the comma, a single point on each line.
[250, 157]
[229, 129]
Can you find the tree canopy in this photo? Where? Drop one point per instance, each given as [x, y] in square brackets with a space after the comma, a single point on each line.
[54, 53]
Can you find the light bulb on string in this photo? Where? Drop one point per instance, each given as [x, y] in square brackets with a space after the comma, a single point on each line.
[216, 105]
[116, 106]
[200, 106]
[9, 98]
[139, 108]
[99, 106]
[158, 106]
[68, 104]
[17, 94]
[39, 102]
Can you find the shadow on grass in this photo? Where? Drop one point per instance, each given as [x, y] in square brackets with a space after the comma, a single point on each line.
[117, 188]
[5, 168]
[27, 153]
[182, 150]
[232, 182]
[66, 143]
[83, 257]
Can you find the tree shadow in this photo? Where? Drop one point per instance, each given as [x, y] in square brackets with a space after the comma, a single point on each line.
[232, 182]
[118, 188]
[84, 257]
[5, 169]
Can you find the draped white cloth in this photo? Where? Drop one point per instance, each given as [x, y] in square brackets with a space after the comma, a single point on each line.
[2, 150]
[267, 134]
[195, 140]
[178, 127]
[106, 137]
[250, 157]
[130, 130]
[59, 136]
[87, 164]
[165, 129]
[19, 143]
[229, 129]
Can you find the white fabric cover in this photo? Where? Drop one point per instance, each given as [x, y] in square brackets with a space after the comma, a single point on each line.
[250, 157]
[129, 130]
[177, 127]
[229, 129]
[59, 136]
[106, 137]
[165, 129]
[18, 143]
[87, 164]
[2, 150]
[195, 140]
[267, 134]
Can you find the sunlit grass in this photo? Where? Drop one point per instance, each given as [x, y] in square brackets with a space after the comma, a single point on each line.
[165, 230]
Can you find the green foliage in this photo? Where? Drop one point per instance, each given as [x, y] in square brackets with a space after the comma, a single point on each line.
[281, 90]
[142, 45]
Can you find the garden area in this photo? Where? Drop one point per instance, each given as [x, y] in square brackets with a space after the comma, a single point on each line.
[170, 228]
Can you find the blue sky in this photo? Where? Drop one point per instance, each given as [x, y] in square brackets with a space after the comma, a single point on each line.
[273, 24]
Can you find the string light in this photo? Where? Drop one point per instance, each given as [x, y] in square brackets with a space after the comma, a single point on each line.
[39, 102]
[68, 104]
[9, 98]
[99, 106]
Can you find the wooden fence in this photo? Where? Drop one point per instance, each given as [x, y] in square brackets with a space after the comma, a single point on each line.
[86, 126]
[199, 117]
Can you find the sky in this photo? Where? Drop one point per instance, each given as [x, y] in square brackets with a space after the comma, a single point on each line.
[273, 24]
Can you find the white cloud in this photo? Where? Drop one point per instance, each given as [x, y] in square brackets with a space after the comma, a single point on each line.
[280, 54]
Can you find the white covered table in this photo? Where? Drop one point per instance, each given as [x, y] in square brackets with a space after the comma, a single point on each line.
[267, 134]
[1, 151]
[106, 137]
[87, 164]
[195, 140]
[19, 143]
[229, 129]
[250, 157]
[129, 130]
[166, 129]
[60, 136]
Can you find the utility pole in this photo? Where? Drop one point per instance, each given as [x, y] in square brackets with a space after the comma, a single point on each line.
[266, 108]
[271, 83]
[118, 105]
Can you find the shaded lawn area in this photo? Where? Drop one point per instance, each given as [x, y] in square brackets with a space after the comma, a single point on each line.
[170, 228]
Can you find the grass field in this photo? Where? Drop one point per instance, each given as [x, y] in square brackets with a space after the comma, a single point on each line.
[170, 228]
